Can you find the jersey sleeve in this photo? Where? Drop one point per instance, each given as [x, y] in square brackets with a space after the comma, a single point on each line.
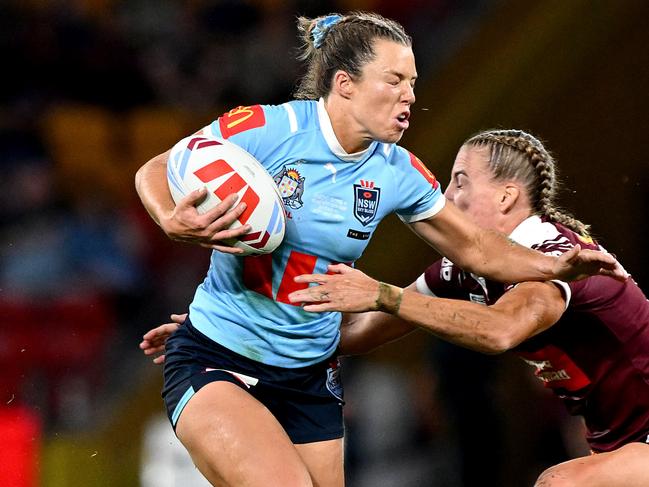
[440, 279]
[421, 193]
[258, 129]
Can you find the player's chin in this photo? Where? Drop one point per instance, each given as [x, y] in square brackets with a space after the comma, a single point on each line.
[392, 137]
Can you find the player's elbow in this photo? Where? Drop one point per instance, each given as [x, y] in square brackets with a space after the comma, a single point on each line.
[505, 332]
[500, 342]
[139, 175]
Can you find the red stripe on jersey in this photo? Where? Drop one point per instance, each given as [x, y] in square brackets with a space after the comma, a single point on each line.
[297, 264]
[256, 274]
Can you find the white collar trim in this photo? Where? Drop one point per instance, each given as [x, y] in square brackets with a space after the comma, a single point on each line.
[330, 137]
[524, 233]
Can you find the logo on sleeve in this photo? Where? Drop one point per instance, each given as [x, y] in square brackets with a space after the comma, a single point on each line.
[423, 170]
[291, 187]
[366, 201]
[241, 119]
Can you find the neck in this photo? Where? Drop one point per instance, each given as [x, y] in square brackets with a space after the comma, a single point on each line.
[345, 128]
[512, 219]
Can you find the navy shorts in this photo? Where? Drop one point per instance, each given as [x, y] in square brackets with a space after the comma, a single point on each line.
[307, 401]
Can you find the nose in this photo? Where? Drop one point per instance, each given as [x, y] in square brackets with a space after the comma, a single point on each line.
[449, 193]
[409, 94]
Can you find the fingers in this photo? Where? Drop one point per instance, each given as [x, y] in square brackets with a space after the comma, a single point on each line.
[571, 254]
[150, 349]
[317, 308]
[178, 318]
[312, 278]
[223, 248]
[339, 268]
[160, 332]
[194, 198]
[307, 296]
[223, 207]
[618, 273]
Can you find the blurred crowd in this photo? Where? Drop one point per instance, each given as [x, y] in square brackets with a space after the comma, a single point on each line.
[93, 89]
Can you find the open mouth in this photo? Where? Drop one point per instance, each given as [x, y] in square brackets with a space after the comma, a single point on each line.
[402, 119]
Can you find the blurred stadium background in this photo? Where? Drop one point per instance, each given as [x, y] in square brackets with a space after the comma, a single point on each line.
[94, 88]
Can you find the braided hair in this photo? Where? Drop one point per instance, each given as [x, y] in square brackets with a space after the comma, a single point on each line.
[515, 154]
[346, 42]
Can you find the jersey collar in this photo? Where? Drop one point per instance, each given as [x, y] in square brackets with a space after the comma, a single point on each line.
[332, 141]
[527, 233]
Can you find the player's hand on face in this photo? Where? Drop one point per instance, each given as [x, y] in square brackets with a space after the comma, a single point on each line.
[346, 289]
[210, 229]
[578, 264]
[154, 340]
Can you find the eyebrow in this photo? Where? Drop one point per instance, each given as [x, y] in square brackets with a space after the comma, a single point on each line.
[461, 172]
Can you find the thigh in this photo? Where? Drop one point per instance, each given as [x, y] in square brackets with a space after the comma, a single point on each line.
[235, 441]
[324, 460]
[625, 467]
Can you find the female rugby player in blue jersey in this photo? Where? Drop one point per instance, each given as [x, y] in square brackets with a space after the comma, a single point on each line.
[251, 380]
[588, 340]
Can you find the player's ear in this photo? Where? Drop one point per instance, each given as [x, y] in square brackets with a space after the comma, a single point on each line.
[342, 84]
[509, 196]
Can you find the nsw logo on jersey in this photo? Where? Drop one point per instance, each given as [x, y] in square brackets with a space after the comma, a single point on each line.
[291, 187]
[366, 201]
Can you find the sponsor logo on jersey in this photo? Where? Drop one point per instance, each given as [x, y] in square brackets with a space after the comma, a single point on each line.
[241, 119]
[358, 235]
[291, 187]
[423, 170]
[556, 369]
[334, 385]
[446, 270]
[366, 201]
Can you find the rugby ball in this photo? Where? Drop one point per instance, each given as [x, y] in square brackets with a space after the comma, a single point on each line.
[225, 168]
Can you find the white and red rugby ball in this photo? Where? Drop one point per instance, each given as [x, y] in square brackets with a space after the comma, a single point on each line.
[225, 168]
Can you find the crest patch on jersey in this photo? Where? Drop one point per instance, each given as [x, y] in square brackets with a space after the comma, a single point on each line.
[366, 201]
[291, 187]
[334, 384]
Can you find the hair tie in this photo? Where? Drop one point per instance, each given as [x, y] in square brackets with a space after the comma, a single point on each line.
[322, 26]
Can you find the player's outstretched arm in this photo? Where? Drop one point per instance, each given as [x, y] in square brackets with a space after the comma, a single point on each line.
[524, 311]
[491, 254]
[153, 341]
[182, 222]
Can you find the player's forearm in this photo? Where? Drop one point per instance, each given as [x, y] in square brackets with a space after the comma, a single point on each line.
[501, 259]
[474, 326]
[361, 333]
[151, 186]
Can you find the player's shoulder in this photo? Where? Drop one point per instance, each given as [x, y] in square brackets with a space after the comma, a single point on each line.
[287, 117]
[537, 233]
[405, 161]
[547, 236]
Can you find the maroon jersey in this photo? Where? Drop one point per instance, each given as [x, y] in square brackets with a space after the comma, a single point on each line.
[596, 357]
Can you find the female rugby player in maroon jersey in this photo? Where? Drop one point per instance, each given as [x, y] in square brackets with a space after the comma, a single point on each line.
[588, 340]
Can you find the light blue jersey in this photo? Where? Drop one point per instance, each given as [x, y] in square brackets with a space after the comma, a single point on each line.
[334, 201]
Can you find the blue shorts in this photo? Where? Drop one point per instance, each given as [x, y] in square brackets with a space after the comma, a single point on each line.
[307, 402]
